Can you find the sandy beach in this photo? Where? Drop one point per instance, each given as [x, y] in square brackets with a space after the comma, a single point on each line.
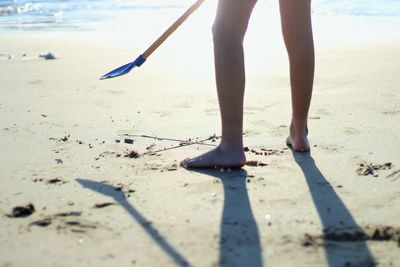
[99, 160]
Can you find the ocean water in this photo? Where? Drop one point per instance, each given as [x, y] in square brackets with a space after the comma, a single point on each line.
[384, 8]
[22, 15]
[52, 15]
[377, 20]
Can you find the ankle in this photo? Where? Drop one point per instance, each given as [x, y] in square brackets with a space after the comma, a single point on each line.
[228, 146]
[298, 128]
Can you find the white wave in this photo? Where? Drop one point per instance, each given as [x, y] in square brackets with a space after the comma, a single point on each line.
[29, 7]
[7, 10]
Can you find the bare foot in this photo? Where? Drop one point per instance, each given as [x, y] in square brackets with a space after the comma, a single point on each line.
[299, 144]
[298, 141]
[217, 158]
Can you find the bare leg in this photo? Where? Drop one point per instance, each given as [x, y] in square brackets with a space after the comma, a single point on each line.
[298, 36]
[229, 29]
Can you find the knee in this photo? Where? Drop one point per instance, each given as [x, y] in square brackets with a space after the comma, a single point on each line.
[298, 39]
[223, 32]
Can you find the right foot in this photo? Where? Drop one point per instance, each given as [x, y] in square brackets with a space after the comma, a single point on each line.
[217, 158]
[298, 144]
[298, 141]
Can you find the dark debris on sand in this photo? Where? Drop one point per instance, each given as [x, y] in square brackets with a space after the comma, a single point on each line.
[63, 139]
[103, 205]
[265, 151]
[69, 225]
[366, 169]
[120, 187]
[77, 223]
[368, 233]
[48, 56]
[255, 163]
[128, 141]
[173, 167]
[132, 154]
[56, 181]
[42, 222]
[53, 181]
[68, 214]
[64, 222]
[151, 147]
[22, 211]
[213, 138]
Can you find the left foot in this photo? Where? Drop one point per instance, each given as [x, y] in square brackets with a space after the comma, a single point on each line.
[217, 158]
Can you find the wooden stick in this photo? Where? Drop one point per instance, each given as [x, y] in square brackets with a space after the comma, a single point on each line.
[171, 139]
[171, 29]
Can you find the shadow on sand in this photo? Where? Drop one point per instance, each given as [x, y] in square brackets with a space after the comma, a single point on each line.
[119, 197]
[239, 238]
[333, 215]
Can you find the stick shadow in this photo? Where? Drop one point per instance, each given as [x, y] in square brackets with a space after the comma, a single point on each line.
[239, 237]
[334, 215]
[119, 197]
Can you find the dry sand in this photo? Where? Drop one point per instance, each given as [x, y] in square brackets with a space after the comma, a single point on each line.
[97, 203]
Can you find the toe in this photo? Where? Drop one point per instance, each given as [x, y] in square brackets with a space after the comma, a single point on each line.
[289, 142]
[185, 163]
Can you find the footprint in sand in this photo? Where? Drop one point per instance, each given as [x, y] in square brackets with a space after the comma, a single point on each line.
[162, 114]
[262, 123]
[332, 148]
[212, 112]
[36, 82]
[15, 129]
[323, 111]
[279, 131]
[102, 104]
[260, 109]
[391, 112]
[115, 92]
[314, 117]
[183, 105]
[351, 131]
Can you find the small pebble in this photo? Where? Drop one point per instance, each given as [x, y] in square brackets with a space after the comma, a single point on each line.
[48, 56]
[128, 141]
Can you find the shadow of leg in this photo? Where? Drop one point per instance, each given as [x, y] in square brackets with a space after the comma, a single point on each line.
[140, 219]
[346, 247]
[239, 238]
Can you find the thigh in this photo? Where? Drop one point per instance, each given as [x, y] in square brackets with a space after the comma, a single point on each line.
[233, 15]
